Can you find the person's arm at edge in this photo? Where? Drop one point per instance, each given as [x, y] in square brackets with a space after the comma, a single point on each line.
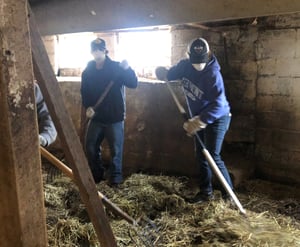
[45, 123]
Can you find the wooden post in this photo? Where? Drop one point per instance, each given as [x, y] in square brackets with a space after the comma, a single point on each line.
[69, 138]
[22, 212]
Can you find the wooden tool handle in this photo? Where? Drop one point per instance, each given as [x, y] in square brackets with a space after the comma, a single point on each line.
[68, 172]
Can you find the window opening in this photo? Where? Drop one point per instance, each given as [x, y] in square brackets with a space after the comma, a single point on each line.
[144, 50]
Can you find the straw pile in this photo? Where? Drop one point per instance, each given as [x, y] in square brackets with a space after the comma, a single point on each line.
[270, 221]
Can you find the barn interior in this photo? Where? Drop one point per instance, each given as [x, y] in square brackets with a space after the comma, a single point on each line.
[258, 47]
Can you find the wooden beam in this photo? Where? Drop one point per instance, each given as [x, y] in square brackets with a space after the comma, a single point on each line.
[22, 212]
[69, 138]
[56, 17]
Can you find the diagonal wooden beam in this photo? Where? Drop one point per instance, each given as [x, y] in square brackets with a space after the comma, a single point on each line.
[68, 137]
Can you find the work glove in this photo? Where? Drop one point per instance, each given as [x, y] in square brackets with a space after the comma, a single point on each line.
[124, 64]
[43, 141]
[193, 125]
[161, 73]
[90, 112]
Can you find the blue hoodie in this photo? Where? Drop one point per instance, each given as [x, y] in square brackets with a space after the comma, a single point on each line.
[204, 90]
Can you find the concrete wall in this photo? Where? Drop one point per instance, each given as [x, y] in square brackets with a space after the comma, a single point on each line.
[278, 99]
[50, 43]
[154, 139]
[260, 68]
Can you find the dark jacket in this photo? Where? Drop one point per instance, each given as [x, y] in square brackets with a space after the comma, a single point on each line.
[93, 83]
[204, 90]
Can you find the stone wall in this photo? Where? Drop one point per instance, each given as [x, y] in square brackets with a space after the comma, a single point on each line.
[155, 141]
[50, 43]
[260, 68]
[278, 99]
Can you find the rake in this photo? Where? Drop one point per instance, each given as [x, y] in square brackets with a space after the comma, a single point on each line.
[144, 228]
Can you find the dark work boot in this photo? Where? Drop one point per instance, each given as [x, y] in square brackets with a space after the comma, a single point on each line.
[201, 198]
[98, 174]
[114, 185]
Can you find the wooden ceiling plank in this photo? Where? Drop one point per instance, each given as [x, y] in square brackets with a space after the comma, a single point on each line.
[57, 17]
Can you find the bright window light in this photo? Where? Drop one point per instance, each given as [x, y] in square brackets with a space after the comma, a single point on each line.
[74, 50]
[144, 50]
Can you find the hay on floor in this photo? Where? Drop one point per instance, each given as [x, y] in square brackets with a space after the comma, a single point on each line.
[269, 222]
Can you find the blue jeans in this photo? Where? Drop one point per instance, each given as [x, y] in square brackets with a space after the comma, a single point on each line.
[212, 137]
[114, 135]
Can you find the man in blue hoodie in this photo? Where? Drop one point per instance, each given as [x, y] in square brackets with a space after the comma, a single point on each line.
[208, 107]
[105, 79]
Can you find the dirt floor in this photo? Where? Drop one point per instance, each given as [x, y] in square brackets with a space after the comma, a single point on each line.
[272, 214]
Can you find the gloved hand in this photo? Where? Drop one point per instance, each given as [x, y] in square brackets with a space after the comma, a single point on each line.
[124, 64]
[161, 73]
[43, 141]
[90, 112]
[193, 125]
